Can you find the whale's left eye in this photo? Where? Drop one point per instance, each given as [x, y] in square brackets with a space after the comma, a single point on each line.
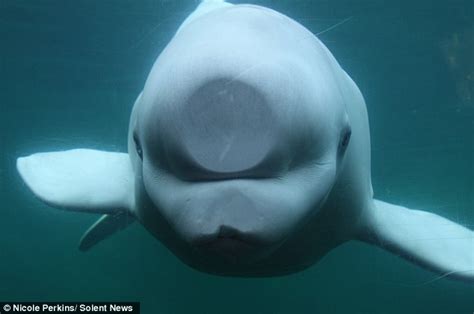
[138, 146]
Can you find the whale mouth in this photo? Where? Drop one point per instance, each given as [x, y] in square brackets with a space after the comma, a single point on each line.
[229, 235]
[230, 244]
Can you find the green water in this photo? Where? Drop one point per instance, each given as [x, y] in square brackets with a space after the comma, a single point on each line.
[70, 70]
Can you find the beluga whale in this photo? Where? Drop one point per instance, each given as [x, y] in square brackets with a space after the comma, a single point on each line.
[248, 155]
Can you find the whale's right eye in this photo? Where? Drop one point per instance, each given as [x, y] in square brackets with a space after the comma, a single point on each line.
[138, 146]
[344, 142]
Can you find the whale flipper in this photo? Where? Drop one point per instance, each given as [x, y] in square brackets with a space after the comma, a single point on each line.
[106, 226]
[426, 239]
[83, 180]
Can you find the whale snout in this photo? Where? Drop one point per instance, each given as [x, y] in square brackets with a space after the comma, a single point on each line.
[225, 213]
[230, 225]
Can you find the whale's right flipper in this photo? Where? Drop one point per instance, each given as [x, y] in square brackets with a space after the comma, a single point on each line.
[103, 228]
[426, 239]
[84, 180]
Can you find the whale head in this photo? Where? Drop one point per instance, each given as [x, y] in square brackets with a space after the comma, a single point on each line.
[239, 136]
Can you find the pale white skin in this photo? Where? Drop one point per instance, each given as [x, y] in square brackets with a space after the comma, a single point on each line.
[274, 217]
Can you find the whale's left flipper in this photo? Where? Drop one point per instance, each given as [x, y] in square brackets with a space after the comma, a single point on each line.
[426, 239]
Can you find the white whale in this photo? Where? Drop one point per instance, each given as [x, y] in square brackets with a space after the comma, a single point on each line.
[248, 155]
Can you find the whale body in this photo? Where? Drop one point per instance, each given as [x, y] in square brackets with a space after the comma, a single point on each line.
[248, 155]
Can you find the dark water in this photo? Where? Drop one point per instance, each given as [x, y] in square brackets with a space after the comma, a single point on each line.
[70, 70]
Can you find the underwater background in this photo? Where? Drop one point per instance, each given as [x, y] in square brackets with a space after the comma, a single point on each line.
[70, 71]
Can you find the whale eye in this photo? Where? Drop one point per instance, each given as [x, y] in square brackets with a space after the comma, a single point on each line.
[138, 146]
[345, 140]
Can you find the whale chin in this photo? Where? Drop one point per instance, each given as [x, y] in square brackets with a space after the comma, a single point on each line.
[230, 250]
